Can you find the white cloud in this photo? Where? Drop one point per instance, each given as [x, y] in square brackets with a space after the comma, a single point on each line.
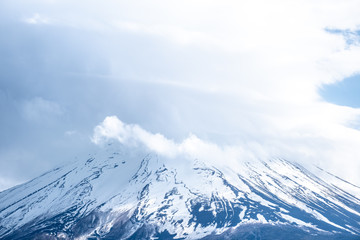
[37, 19]
[246, 71]
[175, 34]
[273, 49]
[134, 136]
[318, 145]
[113, 128]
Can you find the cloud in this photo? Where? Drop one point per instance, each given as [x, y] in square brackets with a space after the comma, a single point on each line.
[132, 135]
[254, 48]
[172, 33]
[37, 19]
[39, 109]
[352, 37]
[70, 132]
[325, 146]
[237, 75]
[113, 128]
[6, 183]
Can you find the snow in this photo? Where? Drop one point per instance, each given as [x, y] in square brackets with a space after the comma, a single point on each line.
[299, 222]
[261, 218]
[242, 214]
[112, 182]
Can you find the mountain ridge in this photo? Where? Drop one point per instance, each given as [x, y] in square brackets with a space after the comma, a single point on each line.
[134, 195]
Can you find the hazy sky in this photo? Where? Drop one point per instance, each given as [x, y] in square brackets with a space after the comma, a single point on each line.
[254, 75]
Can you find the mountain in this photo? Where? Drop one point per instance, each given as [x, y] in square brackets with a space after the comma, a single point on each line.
[125, 194]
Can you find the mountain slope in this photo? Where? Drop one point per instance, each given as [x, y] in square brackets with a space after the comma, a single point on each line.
[123, 195]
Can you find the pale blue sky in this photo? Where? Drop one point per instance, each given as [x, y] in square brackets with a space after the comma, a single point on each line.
[346, 92]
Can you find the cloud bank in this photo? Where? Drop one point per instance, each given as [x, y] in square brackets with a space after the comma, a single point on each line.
[235, 74]
[192, 147]
[318, 147]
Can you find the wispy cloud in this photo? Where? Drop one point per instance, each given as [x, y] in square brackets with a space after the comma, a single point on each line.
[39, 109]
[37, 19]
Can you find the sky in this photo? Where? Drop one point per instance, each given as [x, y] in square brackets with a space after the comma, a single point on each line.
[270, 78]
[345, 93]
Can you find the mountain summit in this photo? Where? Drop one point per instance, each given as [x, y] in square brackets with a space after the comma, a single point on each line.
[122, 194]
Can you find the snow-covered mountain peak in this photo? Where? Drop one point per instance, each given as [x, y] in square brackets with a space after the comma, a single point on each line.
[125, 194]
